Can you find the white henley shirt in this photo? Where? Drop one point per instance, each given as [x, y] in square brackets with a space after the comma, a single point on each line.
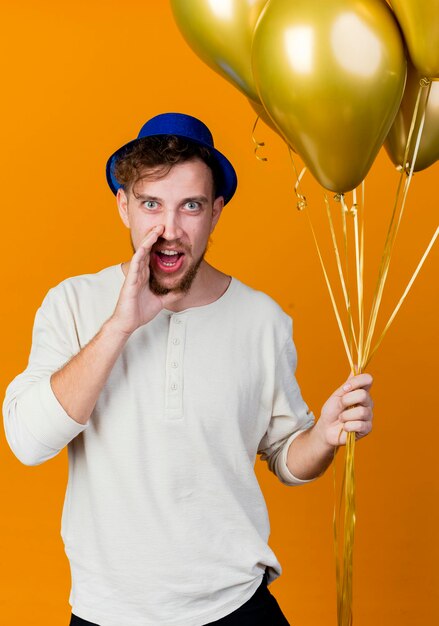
[164, 522]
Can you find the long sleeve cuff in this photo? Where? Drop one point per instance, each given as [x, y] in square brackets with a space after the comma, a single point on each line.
[283, 472]
[45, 418]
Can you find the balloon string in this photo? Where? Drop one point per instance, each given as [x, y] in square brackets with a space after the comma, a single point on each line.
[384, 259]
[345, 578]
[344, 210]
[352, 212]
[404, 295]
[340, 198]
[258, 144]
[345, 597]
[335, 528]
[301, 205]
[349, 533]
[396, 217]
[344, 562]
[361, 304]
[359, 259]
[344, 570]
[343, 282]
[301, 199]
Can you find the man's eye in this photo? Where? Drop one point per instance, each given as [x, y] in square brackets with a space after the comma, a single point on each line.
[192, 206]
[150, 204]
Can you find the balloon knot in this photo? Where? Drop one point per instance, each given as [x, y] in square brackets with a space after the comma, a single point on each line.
[406, 169]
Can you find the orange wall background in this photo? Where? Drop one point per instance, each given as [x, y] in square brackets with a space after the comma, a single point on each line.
[78, 81]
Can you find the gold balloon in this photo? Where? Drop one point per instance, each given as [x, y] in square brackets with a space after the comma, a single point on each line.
[419, 20]
[220, 32]
[331, 75]
[396, 140]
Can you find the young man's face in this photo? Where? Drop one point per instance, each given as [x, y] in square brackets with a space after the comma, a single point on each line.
[182, 201]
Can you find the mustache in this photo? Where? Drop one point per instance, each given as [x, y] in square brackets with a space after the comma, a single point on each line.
[175, 243]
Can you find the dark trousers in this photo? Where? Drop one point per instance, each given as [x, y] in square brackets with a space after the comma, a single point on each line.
[261, 610]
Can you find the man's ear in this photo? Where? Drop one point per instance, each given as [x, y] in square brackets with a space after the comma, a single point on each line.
[217, 208]
[122, 205]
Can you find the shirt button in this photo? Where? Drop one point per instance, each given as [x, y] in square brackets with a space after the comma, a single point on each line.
[177, 320]
[174, 386]
[174, 364]
[176, 342]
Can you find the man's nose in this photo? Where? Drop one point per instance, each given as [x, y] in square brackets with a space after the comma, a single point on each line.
[172, 226]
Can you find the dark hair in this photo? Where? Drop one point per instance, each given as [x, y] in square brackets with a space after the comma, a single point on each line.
[153, 157]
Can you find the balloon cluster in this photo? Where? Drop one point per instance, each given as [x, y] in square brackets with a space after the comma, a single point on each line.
[329, 77]
[336, 79]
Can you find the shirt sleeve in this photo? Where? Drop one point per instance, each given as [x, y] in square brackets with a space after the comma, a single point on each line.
[36, 425]
[290, 417]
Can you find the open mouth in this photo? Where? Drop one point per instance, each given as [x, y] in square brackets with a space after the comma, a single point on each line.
[169, 260]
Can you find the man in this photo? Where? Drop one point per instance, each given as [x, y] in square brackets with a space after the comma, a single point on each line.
[166, 377]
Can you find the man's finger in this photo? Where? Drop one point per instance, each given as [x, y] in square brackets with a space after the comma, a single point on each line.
[361, 428]
[150, 239]
[357, 414]
[142, 253]
[360, 381]
[144, 250]
[357, 396]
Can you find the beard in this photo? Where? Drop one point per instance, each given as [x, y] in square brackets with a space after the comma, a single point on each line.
[183, 285]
